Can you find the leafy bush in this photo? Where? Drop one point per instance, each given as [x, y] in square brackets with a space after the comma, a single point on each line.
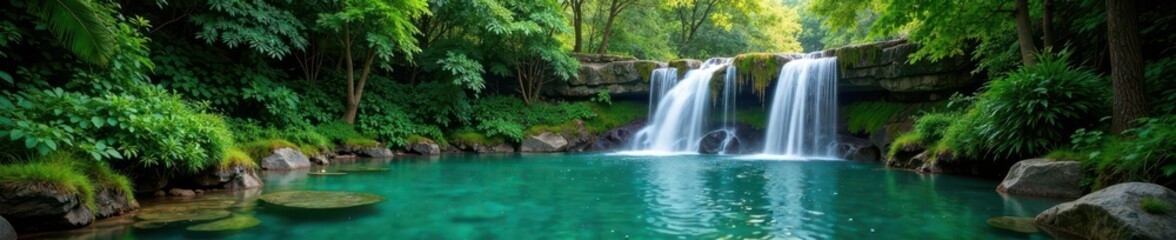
[932, 126]
[469, 136]
[1026, 112]
[1146, 153]
[905, 142]
[510, 118]
[153, 128]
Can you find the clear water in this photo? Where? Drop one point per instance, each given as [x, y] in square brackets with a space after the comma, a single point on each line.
[599, 196]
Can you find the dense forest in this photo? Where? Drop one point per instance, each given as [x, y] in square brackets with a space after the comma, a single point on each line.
[97, 93]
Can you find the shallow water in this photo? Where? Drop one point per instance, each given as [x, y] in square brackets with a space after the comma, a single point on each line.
[617, 196]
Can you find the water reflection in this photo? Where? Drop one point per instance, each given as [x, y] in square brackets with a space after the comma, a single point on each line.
[677, 198]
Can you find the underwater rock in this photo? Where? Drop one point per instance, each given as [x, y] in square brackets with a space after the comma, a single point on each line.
[712, 143]
[237, 222]
[1114, 212]
[179, 192]
[1016, 224]
[1043, 178]
[189, 215]
[320, 199]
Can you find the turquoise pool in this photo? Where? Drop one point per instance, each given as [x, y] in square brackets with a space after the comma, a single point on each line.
[603, 196]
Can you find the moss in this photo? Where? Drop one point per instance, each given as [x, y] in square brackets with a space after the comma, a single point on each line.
[757, 70]
[858, 56]
[609, 116]
[645, 68]
[867, 117]
[473, 137]
[105, 177]
[360, 142]
[236, 157]
[682, 65]
[62, 172]
[1067, 155]
[906, 142]
[1154, 206]
[262, 148]
[418, 139]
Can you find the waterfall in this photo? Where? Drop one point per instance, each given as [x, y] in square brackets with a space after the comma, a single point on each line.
[660, 82]
[677, 121]
[803, 117]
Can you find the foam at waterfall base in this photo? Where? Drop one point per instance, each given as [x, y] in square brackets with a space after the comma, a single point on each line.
[786, 157]
[653, 153]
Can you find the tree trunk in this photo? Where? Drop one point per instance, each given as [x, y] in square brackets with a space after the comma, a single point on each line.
[1047, 24]
[1025, 33]
[607, 31]
[1130, 102]
[577, 23]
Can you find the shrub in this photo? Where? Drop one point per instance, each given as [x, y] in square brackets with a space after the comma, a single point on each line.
[1026, 112]
[932, 126]
[151, 127]
[236, 157]
[1154, 206]
[469, 136]
[509, 117]
[1146, 153]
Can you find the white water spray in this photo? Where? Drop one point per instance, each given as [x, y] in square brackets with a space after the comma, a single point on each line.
[803, 116]
[676, 123]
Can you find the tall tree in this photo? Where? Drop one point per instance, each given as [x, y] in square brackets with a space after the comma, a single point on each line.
[577, 8]
[1025, 33]
[373, 31]
[615, 7]
[1130, 99]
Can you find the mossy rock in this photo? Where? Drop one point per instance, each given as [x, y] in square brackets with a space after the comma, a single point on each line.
[184, 207]
[191, 215]
[237, 222]
[320, 199]
[153, 224]
[757, 70]
[1016, 224]
[645, 69]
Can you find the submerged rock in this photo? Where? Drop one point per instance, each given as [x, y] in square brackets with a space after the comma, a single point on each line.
[1016, 224]
[188, 215]
[285, 159]
[1112, 213]
[1043, 178]
[237, 222]
[320, 199]
[544, 142]
[34, 207]
[179, 192]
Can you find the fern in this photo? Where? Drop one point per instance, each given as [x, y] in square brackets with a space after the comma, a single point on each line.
[82, 26]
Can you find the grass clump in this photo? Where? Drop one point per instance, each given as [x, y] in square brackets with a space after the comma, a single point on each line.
[236, 157]
[1154, 206]
[65, 172]
[259, 149]
[909, 141]
[614, 115]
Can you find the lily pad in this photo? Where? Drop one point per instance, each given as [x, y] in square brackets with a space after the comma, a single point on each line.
[320, 199]
[363, 169]
[237, 222]
[326, 173]
[1016, 224]
[153, 224]
[187, 206]
[193, 215]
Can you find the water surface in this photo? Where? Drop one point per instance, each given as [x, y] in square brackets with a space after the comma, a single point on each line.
[642, 197]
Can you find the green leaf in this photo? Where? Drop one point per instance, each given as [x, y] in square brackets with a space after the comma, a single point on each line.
[7, 78]
[97, 122]
[1169, 170]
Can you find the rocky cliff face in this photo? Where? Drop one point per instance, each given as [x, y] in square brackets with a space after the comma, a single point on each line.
[882, 67]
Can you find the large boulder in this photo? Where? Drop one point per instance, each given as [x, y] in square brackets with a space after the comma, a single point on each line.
[1114, 212]
[234, 177]
[617, 138]
[544, 142]
[285, 159]
[1043, 178]
[380, 152]
[857, 149]
[718, 141]
[34, 208]
[424, 148]
[6, 230]
[112, 202]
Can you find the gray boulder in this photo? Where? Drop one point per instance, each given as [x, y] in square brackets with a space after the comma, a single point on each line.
[718, 141]
[424, 148]
[232, 178]
[6, 230]
[376, 152]
[33, 208]
[857, 149]
[1112, 213]
[285, 159]
[1043, 178]
[544, 142]
[112, 202]
[617, 138]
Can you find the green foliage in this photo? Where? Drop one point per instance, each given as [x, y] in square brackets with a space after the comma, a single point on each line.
[1161, 89]
[243, 87]
[154, 129]
[757, 70]
[469, 136]
[262, 26]
[64, 172]
[867, 117]
[1145, 153]
[262, 148]
[1154, 206]
[236, 157]
[508, 117]
[905, 142]
[602, 97]
[754, 117]
[339, 132]
[82, 26]
[932, 126]
[1027, 111]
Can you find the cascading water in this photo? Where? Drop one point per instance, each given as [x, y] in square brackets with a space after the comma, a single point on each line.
[660, 82]
[676, 123]
[803, 117]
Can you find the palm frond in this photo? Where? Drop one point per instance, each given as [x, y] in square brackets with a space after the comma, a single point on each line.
[82, 26]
